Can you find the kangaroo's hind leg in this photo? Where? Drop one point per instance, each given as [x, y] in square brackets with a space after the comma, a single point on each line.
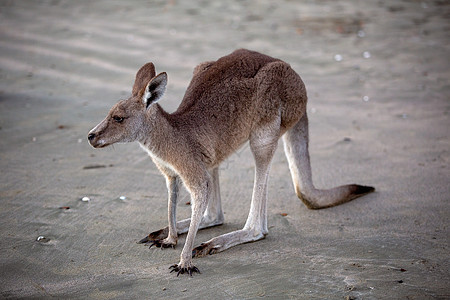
[263, 144]
[296, 148]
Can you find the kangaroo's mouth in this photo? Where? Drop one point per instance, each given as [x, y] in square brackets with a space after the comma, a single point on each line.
[97, 142]
[97, 146]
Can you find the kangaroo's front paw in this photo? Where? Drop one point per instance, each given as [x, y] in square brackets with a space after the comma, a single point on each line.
[158, 235]
[204, 249]
[184, 269]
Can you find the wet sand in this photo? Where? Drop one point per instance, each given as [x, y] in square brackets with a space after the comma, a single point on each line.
[377, 75]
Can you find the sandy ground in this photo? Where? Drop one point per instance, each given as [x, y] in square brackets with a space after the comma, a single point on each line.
[377, 74]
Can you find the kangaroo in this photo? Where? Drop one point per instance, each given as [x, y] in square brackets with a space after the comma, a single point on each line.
[244, 96]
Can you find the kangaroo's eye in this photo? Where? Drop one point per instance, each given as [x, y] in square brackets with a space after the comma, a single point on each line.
[118, 119]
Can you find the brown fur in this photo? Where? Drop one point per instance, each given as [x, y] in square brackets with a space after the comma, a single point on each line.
[244, 96]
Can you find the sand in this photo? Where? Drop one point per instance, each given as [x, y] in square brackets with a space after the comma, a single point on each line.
[377, 75]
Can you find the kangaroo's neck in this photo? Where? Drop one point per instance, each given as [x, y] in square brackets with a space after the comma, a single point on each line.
[158, 133]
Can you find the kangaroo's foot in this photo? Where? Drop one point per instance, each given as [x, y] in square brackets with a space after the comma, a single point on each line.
[159, 239]
[223, 242]
[182, 228]
[158, 235]
[166, 243]
[205, 249]
[181, 269]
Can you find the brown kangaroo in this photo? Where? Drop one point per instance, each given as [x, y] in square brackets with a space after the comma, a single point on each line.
[244, 96]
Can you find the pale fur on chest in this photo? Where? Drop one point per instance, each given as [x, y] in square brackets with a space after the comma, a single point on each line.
[160, 162]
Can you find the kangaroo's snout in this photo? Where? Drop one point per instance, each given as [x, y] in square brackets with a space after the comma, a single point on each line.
[96, 136]
[92, 138]
[95, 139]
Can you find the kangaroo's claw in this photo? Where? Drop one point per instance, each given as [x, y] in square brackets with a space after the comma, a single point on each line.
[160, 244]
[144, 240]
[204, 249]
[188, 270]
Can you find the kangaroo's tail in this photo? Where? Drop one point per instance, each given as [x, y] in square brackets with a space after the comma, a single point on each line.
[296, 149]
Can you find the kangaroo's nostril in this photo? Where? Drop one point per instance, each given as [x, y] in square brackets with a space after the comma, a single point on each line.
[91, 136]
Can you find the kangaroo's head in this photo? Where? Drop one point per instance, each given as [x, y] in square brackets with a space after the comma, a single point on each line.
[126, 121]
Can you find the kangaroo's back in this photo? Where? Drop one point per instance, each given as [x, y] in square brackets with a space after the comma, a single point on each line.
[218, 79]
[228, 98]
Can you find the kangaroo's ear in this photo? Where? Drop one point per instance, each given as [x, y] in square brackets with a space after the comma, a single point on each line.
[155, 89]
[145, 73]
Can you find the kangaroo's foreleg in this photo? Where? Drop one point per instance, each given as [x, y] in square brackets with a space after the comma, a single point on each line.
[263, 147]
[213, 215]
[168, 236]
[200, 188]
